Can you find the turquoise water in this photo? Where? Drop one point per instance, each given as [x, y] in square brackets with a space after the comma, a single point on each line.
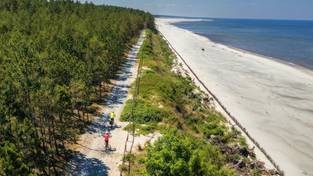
[290, 41]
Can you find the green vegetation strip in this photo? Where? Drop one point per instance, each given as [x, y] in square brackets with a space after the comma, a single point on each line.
[196, 140]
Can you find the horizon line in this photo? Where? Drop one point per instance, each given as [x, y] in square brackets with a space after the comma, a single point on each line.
[199, 17]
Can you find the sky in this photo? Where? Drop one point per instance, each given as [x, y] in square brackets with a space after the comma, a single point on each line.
[264, 9]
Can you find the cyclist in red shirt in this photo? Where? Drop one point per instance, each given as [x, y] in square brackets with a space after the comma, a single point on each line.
[106, 137]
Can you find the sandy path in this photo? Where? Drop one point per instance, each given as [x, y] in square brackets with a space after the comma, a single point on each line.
[91, 158]
[273, 101]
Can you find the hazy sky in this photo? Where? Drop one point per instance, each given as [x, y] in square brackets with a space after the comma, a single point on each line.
[274, 9]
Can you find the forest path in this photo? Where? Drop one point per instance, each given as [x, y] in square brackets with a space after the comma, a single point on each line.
[90, 156]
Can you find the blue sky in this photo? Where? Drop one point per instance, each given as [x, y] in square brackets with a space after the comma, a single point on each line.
[272, 9]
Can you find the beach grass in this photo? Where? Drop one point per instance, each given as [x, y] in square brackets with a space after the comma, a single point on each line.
[170, 103]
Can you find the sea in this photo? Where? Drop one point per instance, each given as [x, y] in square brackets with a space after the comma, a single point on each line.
[290, 41]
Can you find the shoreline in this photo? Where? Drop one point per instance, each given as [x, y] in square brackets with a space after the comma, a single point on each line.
[291, 64]
[261, 155]
[239, 50]
[251, 85]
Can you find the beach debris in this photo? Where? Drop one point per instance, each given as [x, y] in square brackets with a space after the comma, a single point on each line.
[241, 164]
[257, 164]
[244, 152]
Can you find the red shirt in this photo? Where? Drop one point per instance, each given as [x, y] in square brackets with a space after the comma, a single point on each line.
[106, 137]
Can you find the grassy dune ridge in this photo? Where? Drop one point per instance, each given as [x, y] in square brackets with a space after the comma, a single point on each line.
[196, 140]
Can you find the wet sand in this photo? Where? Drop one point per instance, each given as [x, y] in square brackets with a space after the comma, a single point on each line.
[272, 100]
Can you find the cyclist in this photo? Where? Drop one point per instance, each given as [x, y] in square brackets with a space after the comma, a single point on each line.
[112, 116]
[106, 137]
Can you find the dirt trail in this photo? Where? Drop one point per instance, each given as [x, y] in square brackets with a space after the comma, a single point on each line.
[90, 157]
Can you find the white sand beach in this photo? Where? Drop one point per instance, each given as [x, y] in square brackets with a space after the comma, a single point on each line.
[272, 100]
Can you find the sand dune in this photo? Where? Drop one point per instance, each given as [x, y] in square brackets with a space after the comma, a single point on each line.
[272, 100]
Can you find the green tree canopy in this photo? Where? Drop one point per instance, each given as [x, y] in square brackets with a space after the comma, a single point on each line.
[54, 57]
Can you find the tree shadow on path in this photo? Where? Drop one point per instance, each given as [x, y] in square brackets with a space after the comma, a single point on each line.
[80, 165]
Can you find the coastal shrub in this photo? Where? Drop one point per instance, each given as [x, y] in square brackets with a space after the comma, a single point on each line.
[213, 129]
[146, 49]
[143, 112]
[176, 154]
[148, 86]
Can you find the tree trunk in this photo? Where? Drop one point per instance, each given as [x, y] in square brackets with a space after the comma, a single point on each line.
[100, 91]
